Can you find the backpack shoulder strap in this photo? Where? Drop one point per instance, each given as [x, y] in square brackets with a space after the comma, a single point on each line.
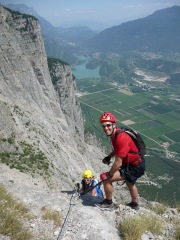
[92, 182]
[118, 132]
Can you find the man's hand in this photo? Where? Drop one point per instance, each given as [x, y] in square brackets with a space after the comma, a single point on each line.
[104, 176]
[106, 160]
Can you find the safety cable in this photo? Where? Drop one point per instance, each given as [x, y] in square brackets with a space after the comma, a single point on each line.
[61, 233]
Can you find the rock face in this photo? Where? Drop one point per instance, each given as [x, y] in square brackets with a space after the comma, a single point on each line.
[65, 86]
[36, 115]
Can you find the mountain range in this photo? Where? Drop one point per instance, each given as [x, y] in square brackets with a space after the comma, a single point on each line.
[158, 32]
[59, 42]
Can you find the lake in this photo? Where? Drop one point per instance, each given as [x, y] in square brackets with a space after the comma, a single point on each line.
[82, 72]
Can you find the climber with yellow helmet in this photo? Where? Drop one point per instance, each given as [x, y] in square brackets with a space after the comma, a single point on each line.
[89, 181]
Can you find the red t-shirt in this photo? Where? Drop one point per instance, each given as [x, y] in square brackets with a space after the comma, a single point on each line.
[125, 148]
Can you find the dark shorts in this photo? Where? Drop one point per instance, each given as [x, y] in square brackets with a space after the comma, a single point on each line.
[132, 173]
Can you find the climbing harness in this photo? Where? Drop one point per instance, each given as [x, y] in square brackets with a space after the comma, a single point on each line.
[75, 195]
[122, 183]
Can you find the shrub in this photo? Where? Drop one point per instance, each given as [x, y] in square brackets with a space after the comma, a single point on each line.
[177, 236]
[31, 160]
[133, 227]
[159, 208]
[52, 215]
[11, 217]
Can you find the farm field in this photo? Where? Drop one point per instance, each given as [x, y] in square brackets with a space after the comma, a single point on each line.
[155, 114]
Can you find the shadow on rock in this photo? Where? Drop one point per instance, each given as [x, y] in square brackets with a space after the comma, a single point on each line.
[69, 192]
[88, 200]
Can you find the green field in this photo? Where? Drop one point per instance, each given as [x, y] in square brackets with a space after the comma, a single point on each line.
[155, 114]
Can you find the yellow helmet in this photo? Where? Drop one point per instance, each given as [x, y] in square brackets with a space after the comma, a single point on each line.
[87, 174]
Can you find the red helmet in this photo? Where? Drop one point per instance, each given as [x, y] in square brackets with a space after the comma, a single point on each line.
[107, 117]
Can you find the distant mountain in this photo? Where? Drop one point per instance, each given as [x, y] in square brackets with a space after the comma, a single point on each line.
[158, 32]
[72, 34]
[59, 42]
[96, 26]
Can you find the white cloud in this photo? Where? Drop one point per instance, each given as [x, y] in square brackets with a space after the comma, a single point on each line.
[68, 10]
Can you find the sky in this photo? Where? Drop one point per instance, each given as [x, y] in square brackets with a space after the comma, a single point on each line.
[106, 13]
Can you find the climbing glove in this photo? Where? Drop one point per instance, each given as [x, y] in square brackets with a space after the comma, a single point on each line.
[104, 176]
[106, 160]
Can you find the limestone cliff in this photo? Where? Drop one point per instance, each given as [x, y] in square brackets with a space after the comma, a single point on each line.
[41, 127]
[65, 86]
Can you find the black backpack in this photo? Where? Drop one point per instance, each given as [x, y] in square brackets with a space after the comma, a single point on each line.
[136, 137]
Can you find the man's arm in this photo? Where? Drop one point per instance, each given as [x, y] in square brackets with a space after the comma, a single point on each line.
[116, 165]
[111, 154]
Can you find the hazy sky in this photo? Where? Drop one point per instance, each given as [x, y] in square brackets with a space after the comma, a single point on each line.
[109, 12]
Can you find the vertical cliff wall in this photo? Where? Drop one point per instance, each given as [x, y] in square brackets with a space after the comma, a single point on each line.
[41, 127]
[65, 86]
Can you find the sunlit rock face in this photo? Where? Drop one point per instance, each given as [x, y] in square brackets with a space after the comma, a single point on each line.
[40, 117]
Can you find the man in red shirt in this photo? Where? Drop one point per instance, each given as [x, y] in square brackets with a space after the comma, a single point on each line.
[128, 165]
